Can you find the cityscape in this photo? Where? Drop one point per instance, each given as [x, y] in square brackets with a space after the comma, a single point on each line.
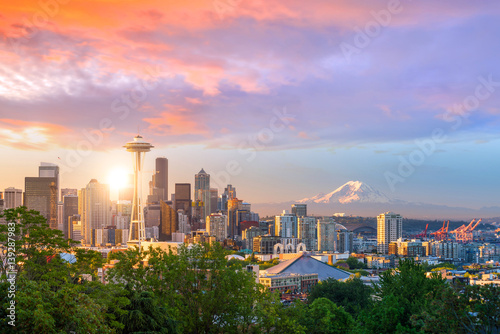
[225, 166]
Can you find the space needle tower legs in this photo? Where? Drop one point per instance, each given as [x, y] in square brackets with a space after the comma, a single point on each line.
[137, 231]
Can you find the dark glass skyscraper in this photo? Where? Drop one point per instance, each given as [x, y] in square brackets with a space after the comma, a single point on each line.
[161, 178]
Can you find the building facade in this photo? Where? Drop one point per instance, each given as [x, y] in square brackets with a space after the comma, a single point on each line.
[285, 225]
[389, 228]
[96, 208]
[13, 198]
[217, 226]
[327, 235]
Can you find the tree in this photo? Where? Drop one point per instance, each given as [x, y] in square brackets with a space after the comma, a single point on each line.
[404, 290]
[461, 309]
[26, 238]
[206, 294]
[384, 317]
[146, 314]
[40, 309]
[272, 317]
[352, 294]
[323, 316]
[354, 263]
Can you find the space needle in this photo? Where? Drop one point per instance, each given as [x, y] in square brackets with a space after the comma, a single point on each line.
[137, 232]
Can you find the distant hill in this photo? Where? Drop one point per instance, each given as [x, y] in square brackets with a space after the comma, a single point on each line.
[360, 199]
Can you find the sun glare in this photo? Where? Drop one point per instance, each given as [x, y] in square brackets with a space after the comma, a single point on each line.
[118, 178]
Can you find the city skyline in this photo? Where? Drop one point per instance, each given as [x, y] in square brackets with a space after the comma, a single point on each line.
[401, 95]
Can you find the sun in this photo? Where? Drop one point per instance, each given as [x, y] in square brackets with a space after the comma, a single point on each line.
[118, 178]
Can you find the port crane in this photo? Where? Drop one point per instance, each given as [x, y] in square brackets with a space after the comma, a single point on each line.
[464, 233]
[442, 233]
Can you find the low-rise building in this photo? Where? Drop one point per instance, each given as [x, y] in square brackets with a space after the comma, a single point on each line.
[289, 282]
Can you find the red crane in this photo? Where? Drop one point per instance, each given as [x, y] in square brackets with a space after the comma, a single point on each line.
[464, 233]
[423, 234]
[442, 233]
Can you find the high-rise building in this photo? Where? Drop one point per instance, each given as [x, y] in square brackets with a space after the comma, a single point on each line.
[307, 232]
[41, 195]
[182, 199]
[152, 215]
[217, 226]
[70, 209]
[161, 178]
[96, 208]
[344, 241]
[389, 228]
[327, 235]
[47, 169]
[285, 225]
[230, 192]
[233, 206]
[13, 198]
[168, 222]
[68, 191]
[75, 227]
[202, 193]
[300, 210]
[214, 194]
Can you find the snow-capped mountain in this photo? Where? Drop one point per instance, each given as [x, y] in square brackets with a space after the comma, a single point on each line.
[351, 192]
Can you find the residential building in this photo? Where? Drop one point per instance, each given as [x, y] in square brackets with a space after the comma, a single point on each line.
[307, 232]
[389, 228]
[285, 225]
[13, 198]
[217, 226]
[327, 235]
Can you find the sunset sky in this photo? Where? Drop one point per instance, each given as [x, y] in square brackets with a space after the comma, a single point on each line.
[287, 98]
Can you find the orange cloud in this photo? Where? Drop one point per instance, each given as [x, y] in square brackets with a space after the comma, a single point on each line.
[176, 122]
[29, 135]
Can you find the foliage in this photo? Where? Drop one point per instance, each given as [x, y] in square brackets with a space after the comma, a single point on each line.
[27, 235]
[146, 312]
[439, 266]
[323, 316]
[402, 293]
[461, 309]
[352, 294]
[272, 317]
[39, 309]
[193, 282]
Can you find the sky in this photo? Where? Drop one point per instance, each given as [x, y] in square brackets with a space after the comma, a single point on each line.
[282, 99]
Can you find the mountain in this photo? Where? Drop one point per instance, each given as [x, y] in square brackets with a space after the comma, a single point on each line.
[350, 192]
[359, 199]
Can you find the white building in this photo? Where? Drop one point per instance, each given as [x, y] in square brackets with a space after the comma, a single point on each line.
[285, 226]
[217, 226]
[389, 228]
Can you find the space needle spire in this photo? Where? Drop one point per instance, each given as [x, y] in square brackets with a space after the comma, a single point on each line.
[137, 231]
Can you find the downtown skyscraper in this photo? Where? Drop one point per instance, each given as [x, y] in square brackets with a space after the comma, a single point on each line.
[202, 194]
[95, 208]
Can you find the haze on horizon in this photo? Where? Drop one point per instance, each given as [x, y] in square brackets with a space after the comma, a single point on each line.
[290, 99]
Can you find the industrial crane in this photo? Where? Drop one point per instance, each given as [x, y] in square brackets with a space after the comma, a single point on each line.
[464, 233]
[442, 233]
